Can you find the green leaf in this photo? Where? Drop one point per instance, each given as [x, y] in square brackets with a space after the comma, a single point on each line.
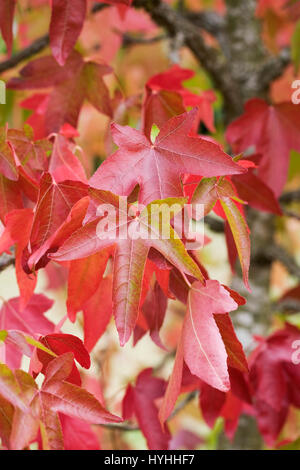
[205, 194]
[37, 344]
[295, 47]
[292, 446]
[10, 389]
[3, 335]
[154, 132]
[240, 233]
[20, 340]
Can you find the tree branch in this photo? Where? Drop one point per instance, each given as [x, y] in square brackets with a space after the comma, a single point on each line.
[99, 6]
[120, 427]
[37, 46]
[278, 253]
[274, 67]
[287, 306]
[6, 261]
[187, 399]
[291, 196]
[291, 214]
[209, 57]
[130, 427]
[215, 225]
[207, 20]
[223, 66]
[128, 40]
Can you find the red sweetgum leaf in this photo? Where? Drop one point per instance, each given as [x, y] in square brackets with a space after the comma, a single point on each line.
[140, 400]
[45, 72]
[73, 221]
[174, 386]
[55, 202]
[69, 399]
[203, 348]
[85, 275]
[208, 192]
[31, 154]
[24, 425]
[64, 165]
[29, 320]
[211, 402]
[77, 434]
[60, 344]
[10, 196]
[66, 23]
[6, 418]
[17, 231]
[157, 167]
[97, 312]
[166, 97]
[130, 256]
[159, 106]
[240, 232]
[274, 131]
[11, 388]
[253, 190]
[235, 354]
[7, 9]
[275, 378]
[55, 396]
[23, 342]
[72, 83]
[154, 310]
[8, 166]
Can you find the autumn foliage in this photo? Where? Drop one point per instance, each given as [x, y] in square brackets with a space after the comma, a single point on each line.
[103, 117]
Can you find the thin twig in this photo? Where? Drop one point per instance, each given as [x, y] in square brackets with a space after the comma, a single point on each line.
[129, 40]
[289, 306]
[207, 20]
[278, 253]
[187, 399]
[214, 224]
[34, 48]
[99, 6]
[291, 214]
[291, 196]
[120, 427]
[130, 427]
[6, 261]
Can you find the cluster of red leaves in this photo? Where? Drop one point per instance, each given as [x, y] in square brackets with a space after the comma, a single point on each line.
[49, 209]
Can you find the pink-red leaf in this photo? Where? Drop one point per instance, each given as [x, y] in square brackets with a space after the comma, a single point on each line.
[7, 9]
[84, 278]
[30, 320]
[69, 399]
[130, 254]
[97, 312]
[203, 347]
[66, 23]
[142, 402]
[157, 167]
[274, 131]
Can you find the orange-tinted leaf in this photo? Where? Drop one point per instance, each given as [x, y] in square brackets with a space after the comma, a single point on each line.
[97, 312]
[234, 349]
[84, 278]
